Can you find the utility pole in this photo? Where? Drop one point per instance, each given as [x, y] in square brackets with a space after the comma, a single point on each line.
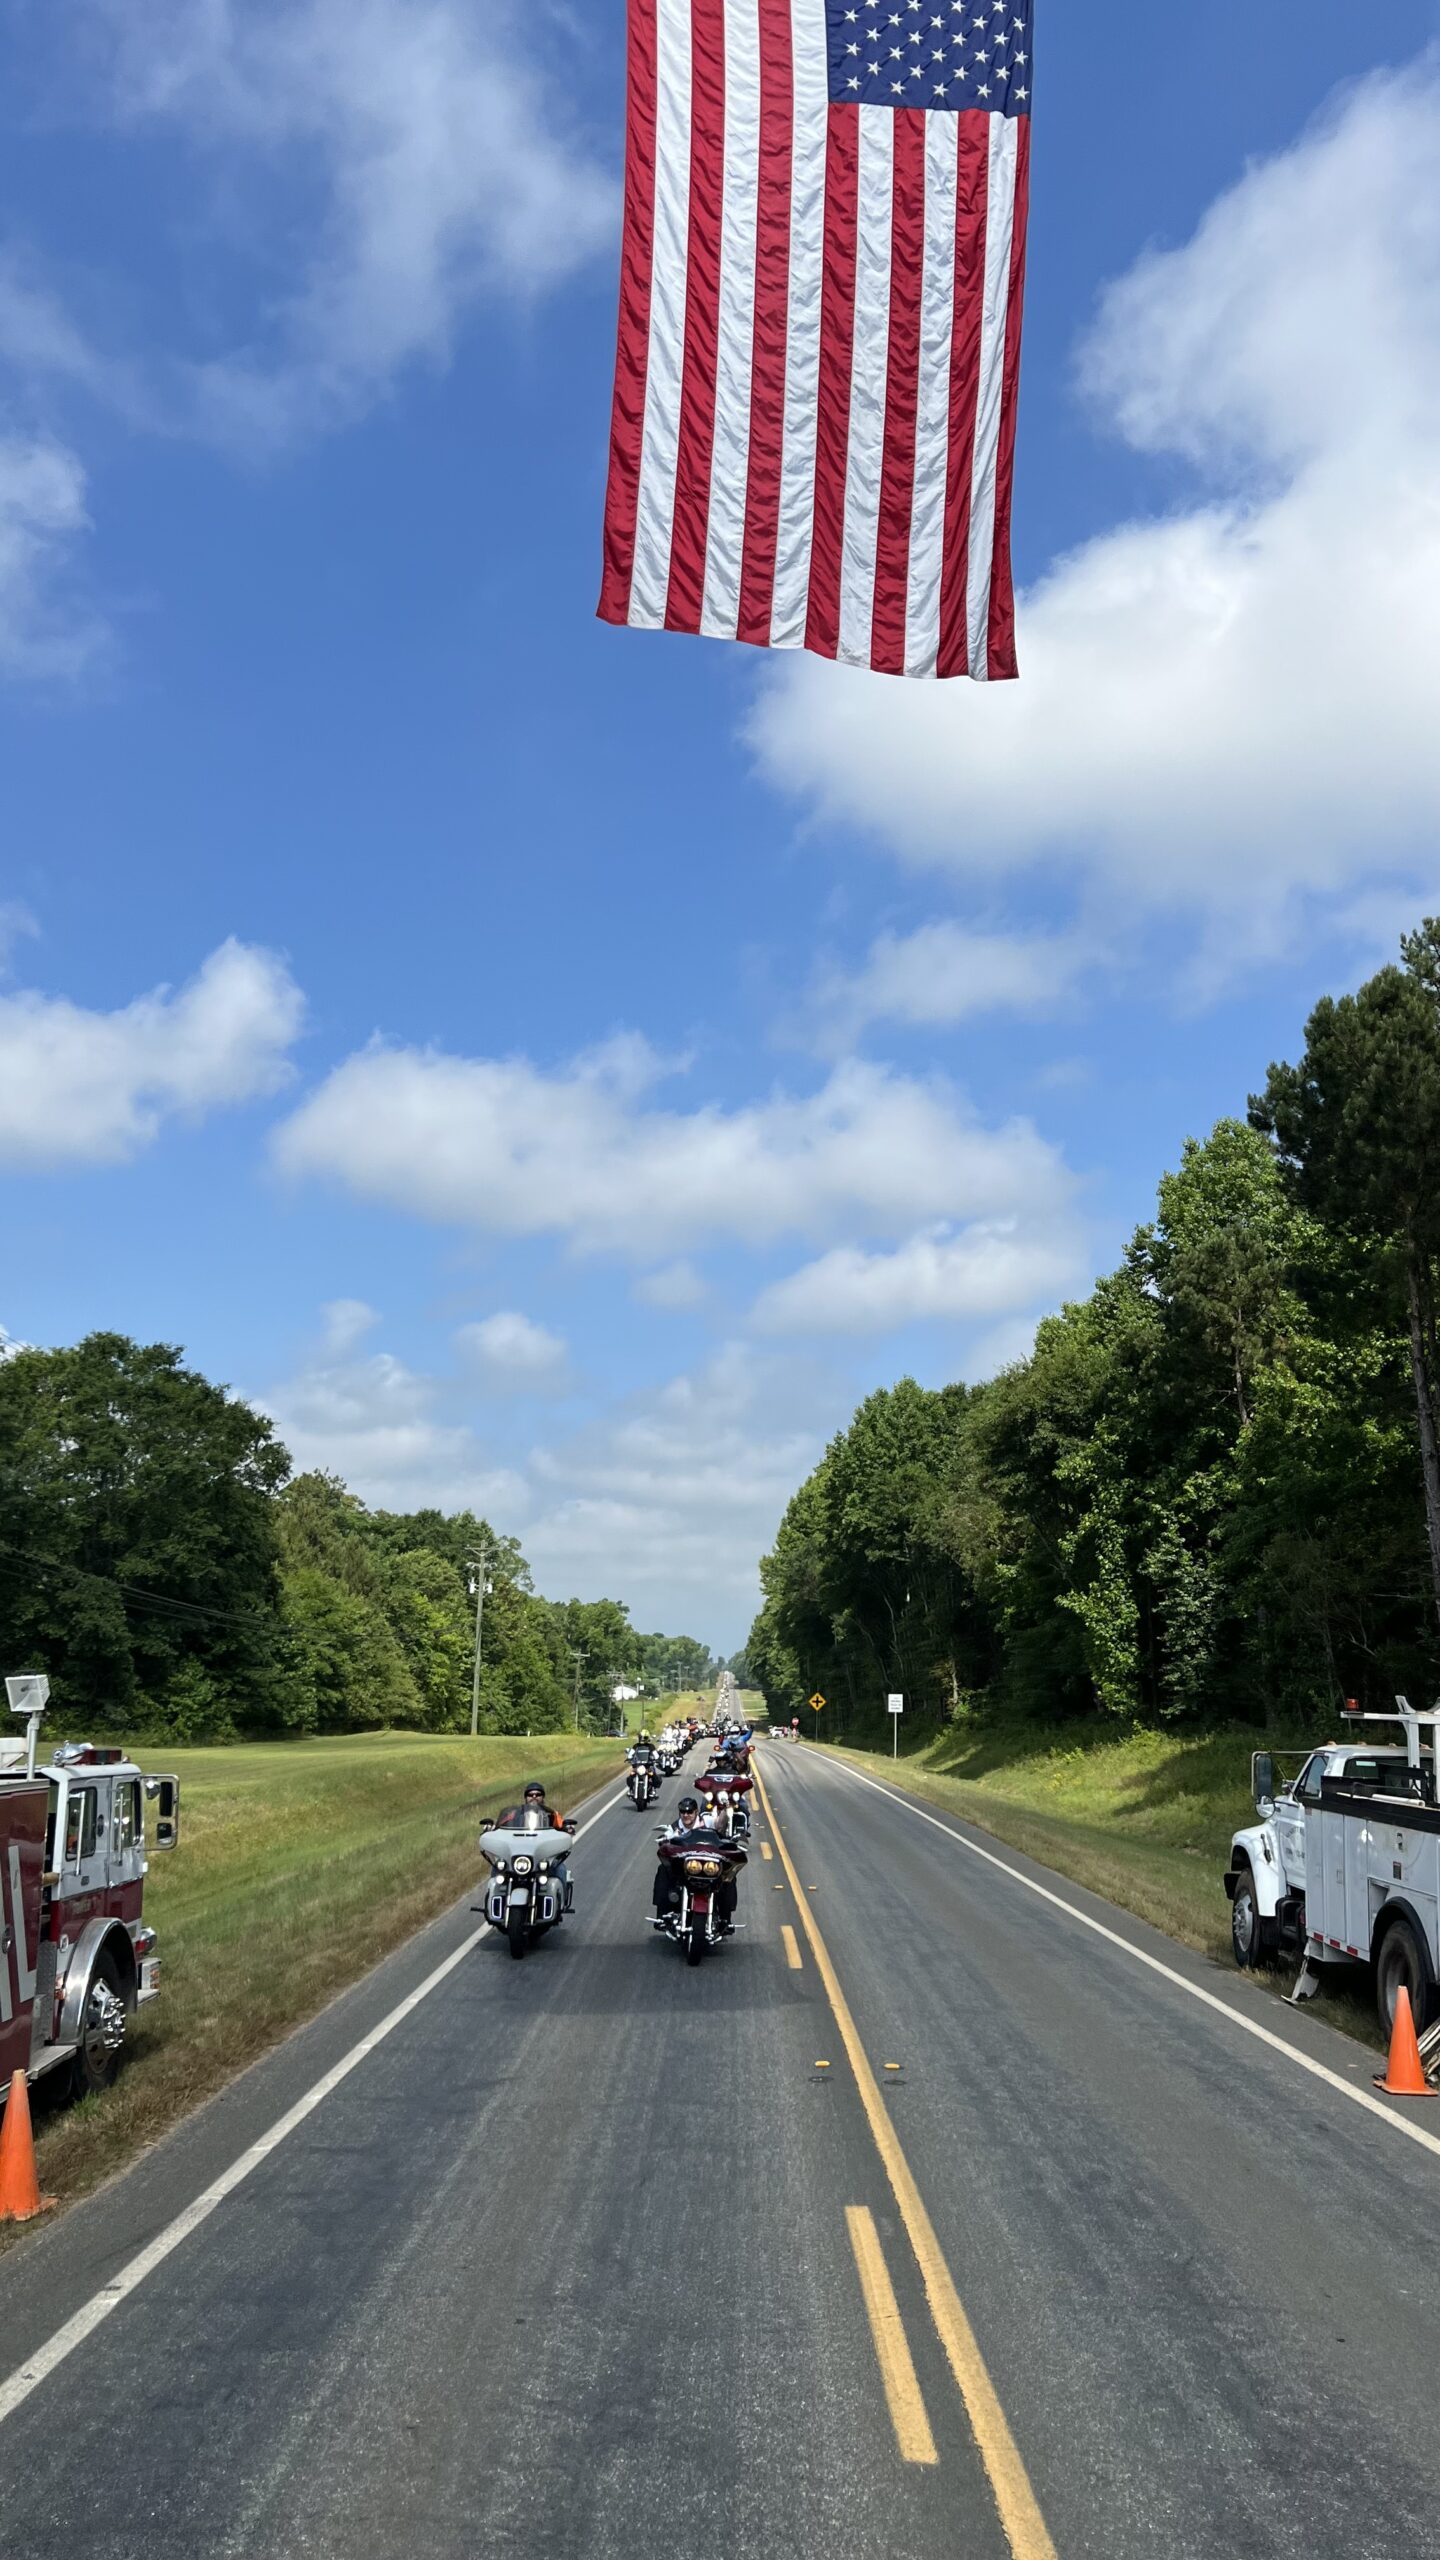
[481, 1562]
[579, 1659]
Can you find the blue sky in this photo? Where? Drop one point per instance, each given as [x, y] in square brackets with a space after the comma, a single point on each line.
[561, 1068]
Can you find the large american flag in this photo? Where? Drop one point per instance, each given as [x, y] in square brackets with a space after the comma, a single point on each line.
[822, 268]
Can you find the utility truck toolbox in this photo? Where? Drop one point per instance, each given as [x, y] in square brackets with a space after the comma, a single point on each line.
[77, 1956]
[1343, 1865]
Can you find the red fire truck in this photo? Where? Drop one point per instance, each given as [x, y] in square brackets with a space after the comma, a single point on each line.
[76, 1956]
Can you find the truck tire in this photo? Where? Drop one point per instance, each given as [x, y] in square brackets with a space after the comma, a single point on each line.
[1401, 1958]
[102, 2032]
[1250, 1935]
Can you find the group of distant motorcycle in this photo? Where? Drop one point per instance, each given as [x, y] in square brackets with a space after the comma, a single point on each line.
[701, 1852]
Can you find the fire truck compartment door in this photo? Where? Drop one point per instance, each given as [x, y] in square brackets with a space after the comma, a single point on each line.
[22, 1860]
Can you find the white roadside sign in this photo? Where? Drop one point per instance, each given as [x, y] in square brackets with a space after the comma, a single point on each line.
[895, 1703]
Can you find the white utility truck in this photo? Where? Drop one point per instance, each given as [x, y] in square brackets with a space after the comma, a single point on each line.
[1343, 1865]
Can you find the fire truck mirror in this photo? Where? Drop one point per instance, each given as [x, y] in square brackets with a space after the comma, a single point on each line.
[165, 1794]
[1262, 1781]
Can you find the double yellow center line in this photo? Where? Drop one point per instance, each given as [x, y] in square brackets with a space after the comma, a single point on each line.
[1015, 2500]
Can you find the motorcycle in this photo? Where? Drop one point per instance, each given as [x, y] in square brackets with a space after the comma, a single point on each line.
[724, 1798]
[641, 1786]
[529, 1888]
[701, 1866]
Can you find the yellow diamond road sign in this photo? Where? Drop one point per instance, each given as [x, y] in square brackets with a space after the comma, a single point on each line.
[817, 1702]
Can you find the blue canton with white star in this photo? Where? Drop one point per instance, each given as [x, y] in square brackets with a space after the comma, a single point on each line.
[931, 53]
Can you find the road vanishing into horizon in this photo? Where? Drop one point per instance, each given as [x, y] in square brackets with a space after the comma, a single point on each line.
[589, 2258]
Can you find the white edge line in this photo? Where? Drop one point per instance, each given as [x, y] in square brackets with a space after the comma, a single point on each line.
[1247, 2026]
[17, 2387]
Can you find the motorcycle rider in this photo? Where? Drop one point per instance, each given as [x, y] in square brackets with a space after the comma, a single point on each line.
[534, 1814]
[690, 1825]
[642, 1755]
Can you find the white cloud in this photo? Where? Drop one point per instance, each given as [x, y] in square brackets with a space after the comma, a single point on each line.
[503, 1145]
[669, 1503]
[665, 1502]
[392, 160]
[79, 1087]
[379, 1425]
[43, 631]
[346, 1321]
[675, 1286]
[982, 1271]
[512, 1355]
[1228, 710]
[946, 973]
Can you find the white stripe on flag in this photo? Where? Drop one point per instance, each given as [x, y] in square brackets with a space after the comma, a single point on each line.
[810, 70]
[932, 412]
[730, 457]
[875, 198]
[664, 373]
[989, 406]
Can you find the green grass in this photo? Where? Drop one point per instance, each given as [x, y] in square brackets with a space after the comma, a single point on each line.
[299, 1865]
[1143, 1818]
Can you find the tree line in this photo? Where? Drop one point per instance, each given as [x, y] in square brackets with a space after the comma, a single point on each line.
[161, 1561]
[1212, 1492]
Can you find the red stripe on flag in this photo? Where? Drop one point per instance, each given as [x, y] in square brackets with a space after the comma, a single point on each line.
[627, 416]
[686, 591]
[1001, 646]
[971, 192]
[902, 379]
[772, 298]
[837, 340]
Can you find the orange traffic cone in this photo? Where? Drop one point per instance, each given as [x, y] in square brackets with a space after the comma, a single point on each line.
[1405, 2072]
[20, 2195]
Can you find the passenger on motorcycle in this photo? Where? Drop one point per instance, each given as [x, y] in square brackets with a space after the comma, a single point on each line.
[690, 1824]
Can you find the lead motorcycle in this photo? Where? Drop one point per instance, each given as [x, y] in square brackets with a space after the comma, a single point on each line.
[642, 1786]
[529, 1888]
[701, 1864]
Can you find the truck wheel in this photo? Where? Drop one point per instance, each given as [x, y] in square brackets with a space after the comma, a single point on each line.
[102, 2033]
[1247, 1929]
[1402, 1959]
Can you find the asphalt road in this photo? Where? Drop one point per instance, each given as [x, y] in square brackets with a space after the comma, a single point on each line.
[575, 2261]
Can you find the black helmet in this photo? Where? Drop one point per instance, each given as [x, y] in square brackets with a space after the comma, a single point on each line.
[534, 1788]
[687, 1804]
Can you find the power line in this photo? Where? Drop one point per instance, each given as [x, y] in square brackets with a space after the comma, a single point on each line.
[135, 1592]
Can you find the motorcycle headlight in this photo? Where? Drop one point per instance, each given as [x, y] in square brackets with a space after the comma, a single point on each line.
[523, 1866]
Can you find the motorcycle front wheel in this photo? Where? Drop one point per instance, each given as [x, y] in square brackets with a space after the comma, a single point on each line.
[517, 1930]
[695, 1943]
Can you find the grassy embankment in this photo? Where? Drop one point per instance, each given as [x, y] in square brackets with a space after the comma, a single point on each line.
[299, 1865]
[1143, 1818]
